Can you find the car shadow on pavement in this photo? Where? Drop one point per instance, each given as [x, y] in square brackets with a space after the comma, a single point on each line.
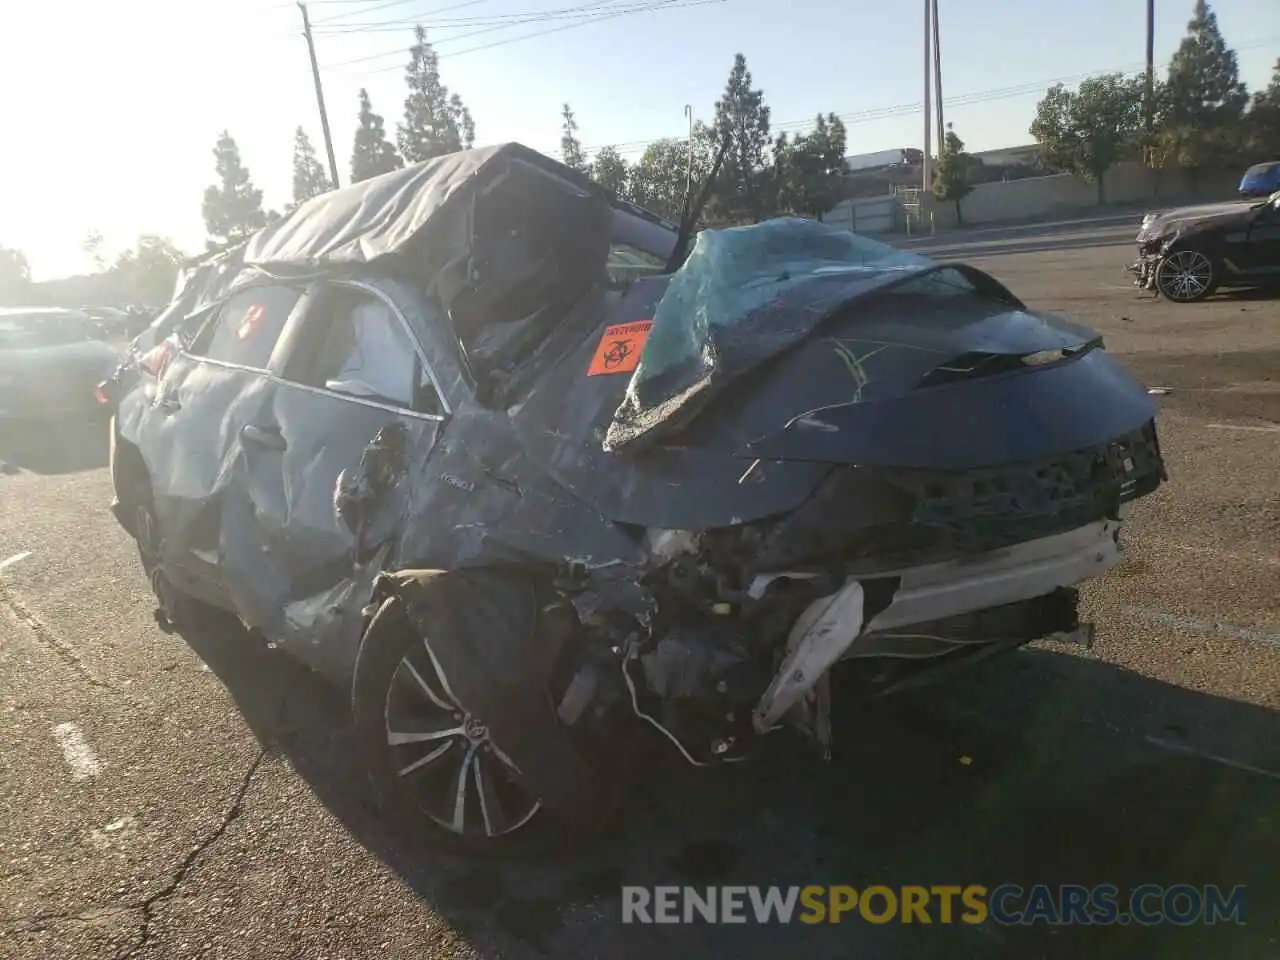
[1043, 767]
[52, 448]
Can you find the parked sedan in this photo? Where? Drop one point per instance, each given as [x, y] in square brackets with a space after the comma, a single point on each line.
[51, 362]
[1188, 253]
[482, 446]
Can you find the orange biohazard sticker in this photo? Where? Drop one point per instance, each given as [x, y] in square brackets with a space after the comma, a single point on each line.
[250, 321]
[619, 348]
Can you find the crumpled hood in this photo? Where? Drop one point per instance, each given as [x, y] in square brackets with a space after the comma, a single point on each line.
[746, 295]
[1182, 220]
[862, 370]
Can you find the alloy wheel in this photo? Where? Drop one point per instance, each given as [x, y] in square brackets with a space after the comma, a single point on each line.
[444, 757]
[1185, 275]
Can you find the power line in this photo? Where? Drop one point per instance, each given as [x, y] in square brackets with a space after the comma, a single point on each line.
[388, 4]
[595, 18]
[904, 109]
[437, 23]
[402, 51]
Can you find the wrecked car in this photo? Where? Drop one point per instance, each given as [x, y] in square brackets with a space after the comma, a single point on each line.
[485, 447]
[1188, 253]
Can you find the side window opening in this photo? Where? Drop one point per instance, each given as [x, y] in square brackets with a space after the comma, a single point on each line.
[356, 345]
[245, 330]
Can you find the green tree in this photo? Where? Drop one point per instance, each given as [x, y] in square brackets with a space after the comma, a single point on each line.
[660, 179]
[372, 154]
[146, 274]
[951, 176]
[15, 273]
[435, 122]
[570, 145]
[809, 168]
[610, 170]
[1087, 131]
[1202, 98]
[233, 207]
[1203, 87]
[743, 117]
[1263, 120]
[309, 179]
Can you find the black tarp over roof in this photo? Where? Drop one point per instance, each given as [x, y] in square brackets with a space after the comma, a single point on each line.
[383, 215]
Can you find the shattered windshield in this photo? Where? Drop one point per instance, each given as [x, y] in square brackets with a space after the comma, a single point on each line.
[743, 295]
[733, 273]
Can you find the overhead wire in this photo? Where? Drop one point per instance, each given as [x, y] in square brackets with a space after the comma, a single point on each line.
[402, 23]
[534, 18]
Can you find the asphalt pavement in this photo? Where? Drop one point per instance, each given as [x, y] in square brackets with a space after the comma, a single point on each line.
[171, 797]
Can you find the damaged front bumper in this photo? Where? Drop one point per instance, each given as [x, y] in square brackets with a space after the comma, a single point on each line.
[1143, 269]
[835, 627]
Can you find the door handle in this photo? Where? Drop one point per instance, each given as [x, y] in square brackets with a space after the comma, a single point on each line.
[263, 436]
[169, 404]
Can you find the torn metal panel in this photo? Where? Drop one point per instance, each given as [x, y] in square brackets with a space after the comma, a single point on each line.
[819, 638]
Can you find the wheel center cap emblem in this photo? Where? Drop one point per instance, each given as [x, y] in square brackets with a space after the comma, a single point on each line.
[474, 729]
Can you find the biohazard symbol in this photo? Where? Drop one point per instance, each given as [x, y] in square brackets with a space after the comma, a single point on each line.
[619, 348]
[617, 354]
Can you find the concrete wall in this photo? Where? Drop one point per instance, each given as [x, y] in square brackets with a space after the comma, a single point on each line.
[1037, 198]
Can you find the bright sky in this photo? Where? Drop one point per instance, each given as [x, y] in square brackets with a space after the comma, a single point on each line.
[112, 108]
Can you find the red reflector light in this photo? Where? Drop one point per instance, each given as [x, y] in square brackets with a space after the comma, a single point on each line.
[157, 358]
[100, 394]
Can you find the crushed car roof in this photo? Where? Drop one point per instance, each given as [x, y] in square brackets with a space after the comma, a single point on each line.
[381, 216]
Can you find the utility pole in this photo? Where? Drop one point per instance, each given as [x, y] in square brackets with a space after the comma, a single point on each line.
[926, 179]
[315, 75]
[1149, 93]
[937, 77]
[688, 187]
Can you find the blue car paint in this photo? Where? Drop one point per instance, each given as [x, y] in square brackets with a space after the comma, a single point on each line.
[1261, 180]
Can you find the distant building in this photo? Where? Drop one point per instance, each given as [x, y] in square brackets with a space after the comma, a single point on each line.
[1027, 156]
[861, 163]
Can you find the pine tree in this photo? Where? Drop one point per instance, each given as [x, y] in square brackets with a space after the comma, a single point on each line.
[233, 207]
[309, 179]
[570, 145]
[1203, 88]
[372, 154]
[742, 116]
[461, 117]
[435, 122]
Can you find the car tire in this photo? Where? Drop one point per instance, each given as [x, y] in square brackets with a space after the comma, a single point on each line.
[1187, 275]
[175, 609]
[442, 771]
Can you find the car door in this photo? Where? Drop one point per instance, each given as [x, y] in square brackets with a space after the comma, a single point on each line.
[189, 435]
[1263, 254]
[350, 366]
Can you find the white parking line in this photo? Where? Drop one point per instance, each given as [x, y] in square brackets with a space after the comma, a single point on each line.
[15, 559]
[1265, 637]
[81, 759]
[1213, 757]
[1242, 426]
